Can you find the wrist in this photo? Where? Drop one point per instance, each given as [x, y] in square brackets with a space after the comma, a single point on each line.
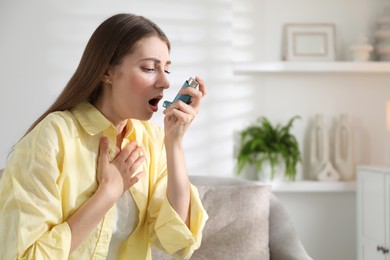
[107, 195]
[173, 142]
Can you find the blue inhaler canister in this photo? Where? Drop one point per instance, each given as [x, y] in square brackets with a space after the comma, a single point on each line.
[185, 98]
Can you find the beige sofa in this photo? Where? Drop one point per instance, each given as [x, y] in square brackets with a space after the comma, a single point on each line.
[246, 222]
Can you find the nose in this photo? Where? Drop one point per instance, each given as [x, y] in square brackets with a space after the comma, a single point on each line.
[162, 81]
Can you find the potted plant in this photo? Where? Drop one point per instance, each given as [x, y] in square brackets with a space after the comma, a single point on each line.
[261, 142]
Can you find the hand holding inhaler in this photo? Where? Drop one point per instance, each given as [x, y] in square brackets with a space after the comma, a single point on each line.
[185, 98]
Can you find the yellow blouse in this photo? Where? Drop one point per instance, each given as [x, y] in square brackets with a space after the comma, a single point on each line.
[52, 171]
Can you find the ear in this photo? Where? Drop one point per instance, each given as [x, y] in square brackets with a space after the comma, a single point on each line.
[106, 77]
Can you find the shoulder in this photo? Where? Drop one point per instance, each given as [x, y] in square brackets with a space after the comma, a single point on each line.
[50, 130]
[57, 121]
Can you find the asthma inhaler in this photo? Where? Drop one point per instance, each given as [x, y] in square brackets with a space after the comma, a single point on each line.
[185, 98]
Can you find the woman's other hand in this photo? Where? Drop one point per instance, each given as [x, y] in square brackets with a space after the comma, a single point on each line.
[122, 172]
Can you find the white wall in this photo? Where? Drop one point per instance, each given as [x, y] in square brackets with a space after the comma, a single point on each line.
[259, 24]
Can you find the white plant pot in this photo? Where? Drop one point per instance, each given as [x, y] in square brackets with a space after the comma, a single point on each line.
[249, 172]
[265, 174]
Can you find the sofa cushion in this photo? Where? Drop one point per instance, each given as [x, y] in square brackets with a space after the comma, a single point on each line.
[238, 219]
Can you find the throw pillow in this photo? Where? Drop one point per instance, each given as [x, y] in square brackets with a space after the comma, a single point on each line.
[238, 222]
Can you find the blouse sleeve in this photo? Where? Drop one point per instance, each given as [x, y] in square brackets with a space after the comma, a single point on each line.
[31, 221]
[167, 230]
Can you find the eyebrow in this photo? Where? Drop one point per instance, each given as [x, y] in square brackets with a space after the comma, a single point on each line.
[155, 60]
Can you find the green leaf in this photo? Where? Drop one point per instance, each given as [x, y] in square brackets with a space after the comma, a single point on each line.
[261, 141]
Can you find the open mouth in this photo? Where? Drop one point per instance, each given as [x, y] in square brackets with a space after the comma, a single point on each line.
[154, 102]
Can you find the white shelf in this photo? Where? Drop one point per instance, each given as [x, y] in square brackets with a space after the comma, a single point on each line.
[313, 186]
[296, 67]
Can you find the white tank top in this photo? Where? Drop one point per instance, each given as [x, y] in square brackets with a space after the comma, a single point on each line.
[126, 219]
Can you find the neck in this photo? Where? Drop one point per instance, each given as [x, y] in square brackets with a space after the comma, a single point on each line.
[120, 135]
[107, 111]
[121, 127]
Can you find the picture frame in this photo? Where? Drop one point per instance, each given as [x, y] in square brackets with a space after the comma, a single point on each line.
[310, 42]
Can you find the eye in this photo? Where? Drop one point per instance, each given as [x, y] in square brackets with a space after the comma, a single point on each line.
[167, 71]
[148, 69]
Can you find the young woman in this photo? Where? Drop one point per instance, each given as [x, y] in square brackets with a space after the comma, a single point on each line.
[93, 178]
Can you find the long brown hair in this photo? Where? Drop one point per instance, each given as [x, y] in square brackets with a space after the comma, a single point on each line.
[111, 41]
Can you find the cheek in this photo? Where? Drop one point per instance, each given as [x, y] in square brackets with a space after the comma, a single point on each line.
[141, 83]
[134, 84]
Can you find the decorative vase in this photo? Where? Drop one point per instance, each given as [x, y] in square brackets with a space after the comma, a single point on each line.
[320, 165]
[319, 146]
[388, 133]
[382, 36]
[362, 49]
[343, 153]
[328, 173]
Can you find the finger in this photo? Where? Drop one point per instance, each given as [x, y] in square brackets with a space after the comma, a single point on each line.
[104, 150]
[134, 179]
[193, 92]
[170, 118]
[180, 105]
[195, 95]
[183, 113]
[134, 155]
[137, 163]
[183, 107]
[182, 117]
[202, 86]
[126, 151]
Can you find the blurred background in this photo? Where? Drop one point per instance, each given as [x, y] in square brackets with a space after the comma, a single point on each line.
[41, 43]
